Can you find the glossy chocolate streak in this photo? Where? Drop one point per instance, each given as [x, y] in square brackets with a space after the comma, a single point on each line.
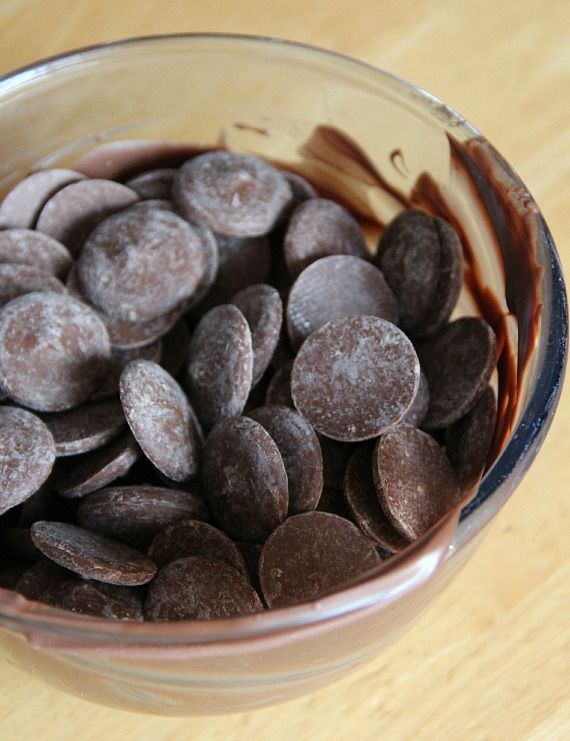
[512, 217]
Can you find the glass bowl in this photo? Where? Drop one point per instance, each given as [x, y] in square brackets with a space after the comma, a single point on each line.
[377, 143]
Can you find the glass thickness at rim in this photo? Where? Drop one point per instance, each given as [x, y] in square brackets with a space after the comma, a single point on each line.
[501, 479]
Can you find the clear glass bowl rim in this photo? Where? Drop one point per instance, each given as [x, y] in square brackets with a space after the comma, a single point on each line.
[523, 445]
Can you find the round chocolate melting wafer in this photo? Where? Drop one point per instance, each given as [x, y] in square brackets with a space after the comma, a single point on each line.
[415, 481]
[198, 588]
[161, 419]
[468, 440]
[418, 409]
[211, 255]
[21, 206]
[300, 451]
[354, 378]
[17, 280]
[125, 335]
[262, 307]
[336, 455]
[120, 358]
[53, 351]
[449, 282]
[409, 255]
[194, 538]
[27, 455]
[86, 427]
[458, 362]
[74, 211]
[333, 288]
[242, 262]
[279, 389]
[362, 500]
[90, 555]
[175, 346]
[302, 190]
[28, 247]
[244, 479]
[317, 228]
[137, 513]
[312, 554]
[231, 193]
[103, 600]
[153, 183]
[220, 365]
[139, 265]
[98, 468]
[46, 582]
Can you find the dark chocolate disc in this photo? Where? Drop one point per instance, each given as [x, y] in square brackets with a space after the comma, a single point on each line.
[139, 265]
[103, 600]
[449, 281]
[355, 377]
[333, 288]
[17, 280]
[244, 479]
[220, 365]
[161, 419]
[125, 335]
[136, 514]
[98, 468]
[120, 358]
[28, 247]
[415, 481]
[262, 307]
[21, 206]
[46, 582]
[458, 362]
[85, 428]
[409, 255]
[26, 458]
[301, 188]
[300, 451]
[242, 262]
[153, 183]
[195, 538]
[468, 440]
[175, 346]
[231, 193]
[362, 500]
[312, 554]
[279, 389]
[418, 410]
[74, 211]
[90, 555]
[53, 351]
[317, 228]
[211, 255]
[198, 588]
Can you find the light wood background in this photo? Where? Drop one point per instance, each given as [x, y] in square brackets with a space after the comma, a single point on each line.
[505, 65]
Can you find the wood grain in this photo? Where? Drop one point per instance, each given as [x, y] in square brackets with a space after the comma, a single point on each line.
[506, 675]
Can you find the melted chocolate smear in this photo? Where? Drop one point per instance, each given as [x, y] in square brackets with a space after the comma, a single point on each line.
[398, 162]
[251, 127]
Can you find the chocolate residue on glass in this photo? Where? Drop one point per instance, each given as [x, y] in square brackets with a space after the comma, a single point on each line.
[398, 162]
[251, 127]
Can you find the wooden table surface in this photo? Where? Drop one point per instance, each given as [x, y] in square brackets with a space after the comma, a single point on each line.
[505, 65]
